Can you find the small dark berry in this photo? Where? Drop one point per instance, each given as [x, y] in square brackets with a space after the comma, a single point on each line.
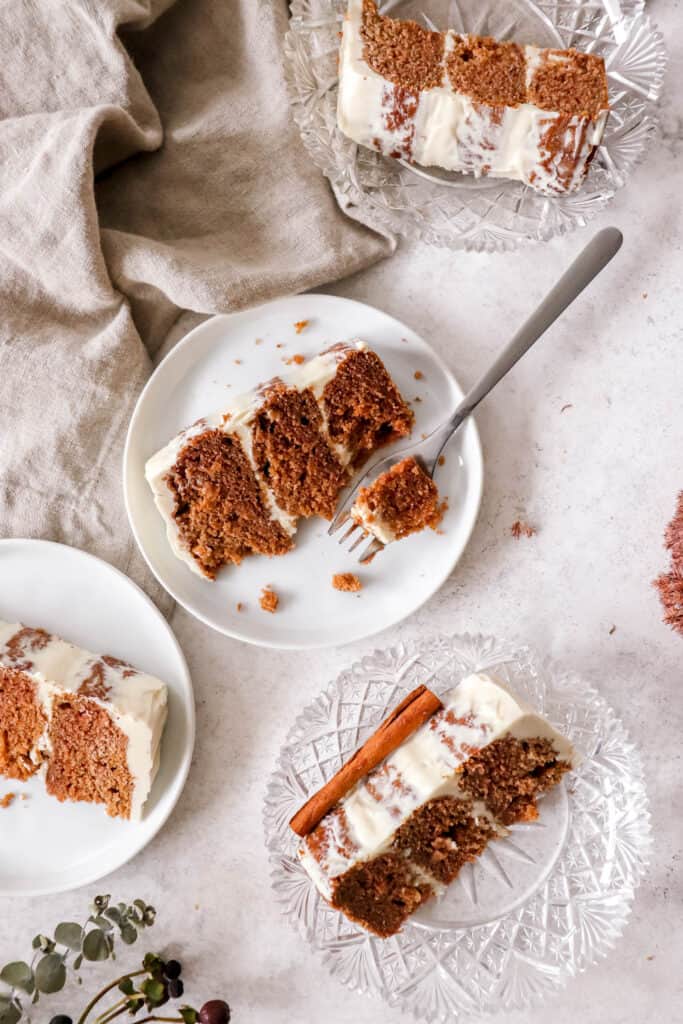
[61, 1018]
[214, 1012]
[172, 970]
[175, 988]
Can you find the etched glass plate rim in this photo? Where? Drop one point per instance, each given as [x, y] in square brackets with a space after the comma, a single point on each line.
[556, 692]
[460, 216]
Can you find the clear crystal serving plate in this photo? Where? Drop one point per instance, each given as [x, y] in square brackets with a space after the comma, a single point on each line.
[538, 906]
[458, 210]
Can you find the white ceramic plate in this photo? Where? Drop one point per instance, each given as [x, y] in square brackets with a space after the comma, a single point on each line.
[47, 846]
[220, 359]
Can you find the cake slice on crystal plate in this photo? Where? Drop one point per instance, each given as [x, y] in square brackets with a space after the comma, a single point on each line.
[423, 796]
[469, 103]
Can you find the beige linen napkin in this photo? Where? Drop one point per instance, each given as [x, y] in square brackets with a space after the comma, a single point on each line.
[205, 201]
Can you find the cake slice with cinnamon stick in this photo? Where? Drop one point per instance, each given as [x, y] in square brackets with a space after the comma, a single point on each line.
[423, 796]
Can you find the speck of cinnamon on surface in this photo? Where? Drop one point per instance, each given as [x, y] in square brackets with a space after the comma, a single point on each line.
[240, 606]
[258, 341]
[441, 461]
[298, 359]
[269, 600]
[279, 345]
[612, 630]
[347, 582]
[301, 325]
[238, 362]
[7, 799]
[418, 375]
[521, 529]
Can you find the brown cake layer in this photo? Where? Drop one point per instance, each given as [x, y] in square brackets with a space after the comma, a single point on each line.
[363, 406]
[405, 499]
[21, 724]
[220, 506]
[485, 70]
[509, 774]
[292, 454]
[380, 894]
[88, 759]
[442, 836]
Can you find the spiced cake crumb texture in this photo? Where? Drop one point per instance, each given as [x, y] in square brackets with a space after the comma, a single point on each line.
[669, 584]
[402, 501]
[472, 768]
[469, 103]
[237, 482]
[346, 581]
[90, 724]
[269, 600]
[7, 800]
[301, 325]
[521, 529]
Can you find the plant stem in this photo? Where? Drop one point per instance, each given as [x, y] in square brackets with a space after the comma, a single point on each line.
[113, 1012]
[144, 1020]
[106, 1015]
[96, 998]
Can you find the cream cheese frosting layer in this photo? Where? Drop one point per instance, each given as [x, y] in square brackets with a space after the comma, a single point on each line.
[477, 712]
[237, 418]
[135, 701]
[440, 127]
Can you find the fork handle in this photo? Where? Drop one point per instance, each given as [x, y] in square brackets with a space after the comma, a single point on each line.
[585, 267]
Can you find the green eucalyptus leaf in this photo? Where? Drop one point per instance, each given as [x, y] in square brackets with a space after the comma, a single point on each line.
[50, 973]
[18, 975]
[95, 945]
[189, 1014]
[44, 944]
[114, 915]
[152, 962]
[69, 934]
[102, 923]
[155, 991]
[10, 1012]
[77, 962]
[129, 934]
[141, 905]
[100, 904]
[127, 987]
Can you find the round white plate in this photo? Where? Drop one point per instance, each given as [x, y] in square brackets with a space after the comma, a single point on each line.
[47, 846]
[204, 372]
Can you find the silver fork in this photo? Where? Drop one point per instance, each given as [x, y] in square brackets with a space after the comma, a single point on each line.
[585, 267]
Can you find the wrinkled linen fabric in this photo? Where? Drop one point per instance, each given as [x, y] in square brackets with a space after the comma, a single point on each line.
[148, 166]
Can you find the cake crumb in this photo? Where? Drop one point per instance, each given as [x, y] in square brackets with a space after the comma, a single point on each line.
[279, 345]
[417, 398]
[347, 582]
[644, 295]
[612, 630]
[258, 341]
[441, 461]
[298, 359]
[240, 606]
[521, 529]
[301, 325]
[238, 362]
[418, 375]
[670, 584]
[7, 799]
[567, 406]
[269, 600]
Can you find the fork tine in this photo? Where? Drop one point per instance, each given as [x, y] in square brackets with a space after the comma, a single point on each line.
[359, 540]
[338, 522]
[352, 527]
[373, 548]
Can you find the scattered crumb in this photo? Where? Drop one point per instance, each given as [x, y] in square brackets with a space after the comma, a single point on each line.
[567, 406]
[417, 398]
[196, 906]
[424, 436]
[238, 362]
[441, 461]
[612, 630]
[418, 375]
[346, 581]
[240, 606]
[298, 359]
[651, 956]
[258, 341]
[645, 296]
[269, 600]
[404, 340]
[7, 799]
[670, 584]
[225, 418]
[521, 529]
[279, 345]
[301, 325]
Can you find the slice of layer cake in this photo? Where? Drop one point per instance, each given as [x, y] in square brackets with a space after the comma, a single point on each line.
[402, 501]
[425, 795]
[468, 103]
[90, 723]
[237, 481]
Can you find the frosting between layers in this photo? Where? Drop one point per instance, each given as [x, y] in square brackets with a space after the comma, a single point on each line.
[237, 418]
[135, 701]
[440, 127]
[477, 712]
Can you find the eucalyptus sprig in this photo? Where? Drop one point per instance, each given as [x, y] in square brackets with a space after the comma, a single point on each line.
[148, 988]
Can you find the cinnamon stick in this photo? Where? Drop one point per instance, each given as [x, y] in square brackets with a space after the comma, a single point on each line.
[410, 714]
